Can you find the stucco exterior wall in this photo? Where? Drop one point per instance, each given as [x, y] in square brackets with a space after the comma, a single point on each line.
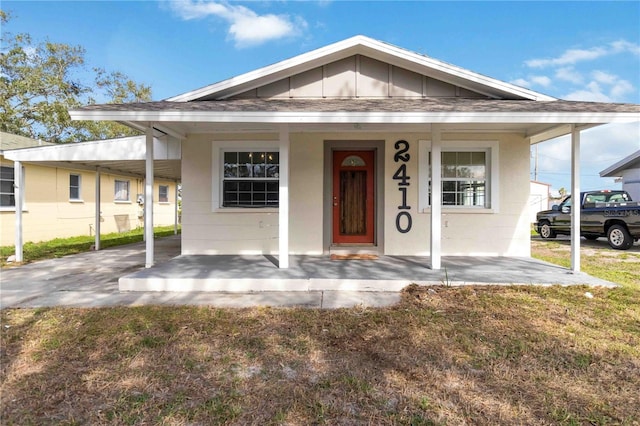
[48, 212]
[209, 229]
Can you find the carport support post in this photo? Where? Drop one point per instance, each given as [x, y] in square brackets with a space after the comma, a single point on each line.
[18, 194]
[575, 199]
[175, 211]
[97, 236]
[436, 196]
[283, 203]
[148, 199]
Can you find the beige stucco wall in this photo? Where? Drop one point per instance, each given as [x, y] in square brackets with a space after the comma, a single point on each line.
[48, 212]
[208, 229]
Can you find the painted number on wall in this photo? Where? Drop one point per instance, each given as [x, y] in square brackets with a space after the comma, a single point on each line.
[403, 218]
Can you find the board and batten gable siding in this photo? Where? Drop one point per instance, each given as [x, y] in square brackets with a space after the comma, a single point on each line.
[209, 229]
[358, 76]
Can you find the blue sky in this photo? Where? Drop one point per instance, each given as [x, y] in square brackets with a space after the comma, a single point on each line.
[570, 50]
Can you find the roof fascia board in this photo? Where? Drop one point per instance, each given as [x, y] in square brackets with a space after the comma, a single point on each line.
[615, 169]
[368, 47]
[125, 149]
[360, 117]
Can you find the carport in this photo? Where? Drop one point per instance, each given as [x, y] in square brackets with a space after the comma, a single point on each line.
[155, 154]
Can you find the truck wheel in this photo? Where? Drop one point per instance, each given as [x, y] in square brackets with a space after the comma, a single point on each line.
[619, 238]
[591, 237]
[546, 231]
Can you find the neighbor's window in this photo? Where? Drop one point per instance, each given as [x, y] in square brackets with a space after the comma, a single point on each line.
[74, 187]
[7, 190]
[250, 178]
[122, 190]
[163, 194]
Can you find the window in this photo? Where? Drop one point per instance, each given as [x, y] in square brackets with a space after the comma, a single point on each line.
[122, 190]
[250, 178]
[464, 178]
[7, 190]
[468, 178]
[74, 187]
[163, 194]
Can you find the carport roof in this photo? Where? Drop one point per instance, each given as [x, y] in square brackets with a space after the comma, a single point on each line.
[125, 156]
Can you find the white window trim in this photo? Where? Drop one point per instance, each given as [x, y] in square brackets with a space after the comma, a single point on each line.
[218, 148]
[116, 201]
[79, 199]
[491, 146]
[168, 190]
[24, 195]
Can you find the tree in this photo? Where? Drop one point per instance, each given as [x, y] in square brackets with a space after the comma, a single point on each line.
[40, 82]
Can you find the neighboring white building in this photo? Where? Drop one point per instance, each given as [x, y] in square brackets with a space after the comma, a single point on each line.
[628, 170]
[539, 198]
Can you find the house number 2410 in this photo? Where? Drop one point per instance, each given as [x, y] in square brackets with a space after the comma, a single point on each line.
[403, 218]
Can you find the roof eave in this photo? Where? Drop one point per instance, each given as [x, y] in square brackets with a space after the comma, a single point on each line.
[356, 117]
[615, 169]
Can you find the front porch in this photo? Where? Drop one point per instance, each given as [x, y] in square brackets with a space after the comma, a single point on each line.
[257, 273]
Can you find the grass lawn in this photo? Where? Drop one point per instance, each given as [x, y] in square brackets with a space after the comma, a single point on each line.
[65, 246]
[515, 355]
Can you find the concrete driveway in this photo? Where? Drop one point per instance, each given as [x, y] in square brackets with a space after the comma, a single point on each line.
[91, 280]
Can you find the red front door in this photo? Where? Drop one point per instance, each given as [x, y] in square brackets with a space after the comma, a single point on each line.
[353, 197]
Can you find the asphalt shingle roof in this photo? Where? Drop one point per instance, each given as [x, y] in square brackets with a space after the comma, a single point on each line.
[11, 141]
[435, 105]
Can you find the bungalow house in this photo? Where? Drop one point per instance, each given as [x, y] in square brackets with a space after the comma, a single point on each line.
[359, 147]
[78, 190]
[628, 170]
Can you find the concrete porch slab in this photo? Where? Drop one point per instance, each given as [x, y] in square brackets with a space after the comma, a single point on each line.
[243, 274]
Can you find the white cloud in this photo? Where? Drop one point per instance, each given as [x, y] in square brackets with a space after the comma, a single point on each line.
[569, 57]
[541, 80]
[592, 92]
[246, 27]
[573, 56]
[621, 88]
[604, 77]
[569, 74]
[521, 82]
[625, 46]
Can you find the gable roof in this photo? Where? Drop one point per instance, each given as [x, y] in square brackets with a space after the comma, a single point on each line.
[630, 162]
[361, 45]
[11, 141]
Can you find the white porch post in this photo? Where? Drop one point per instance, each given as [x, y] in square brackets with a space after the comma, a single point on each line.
[148, 199]
[175, 211]
[18, 195]
[97, 227]
[283, 204]
[436, 196]
[575, 199]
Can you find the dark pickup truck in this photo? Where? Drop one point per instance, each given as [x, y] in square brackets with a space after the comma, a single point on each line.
[610, 214]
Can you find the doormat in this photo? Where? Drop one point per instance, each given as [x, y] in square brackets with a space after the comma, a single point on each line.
[354, 257]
